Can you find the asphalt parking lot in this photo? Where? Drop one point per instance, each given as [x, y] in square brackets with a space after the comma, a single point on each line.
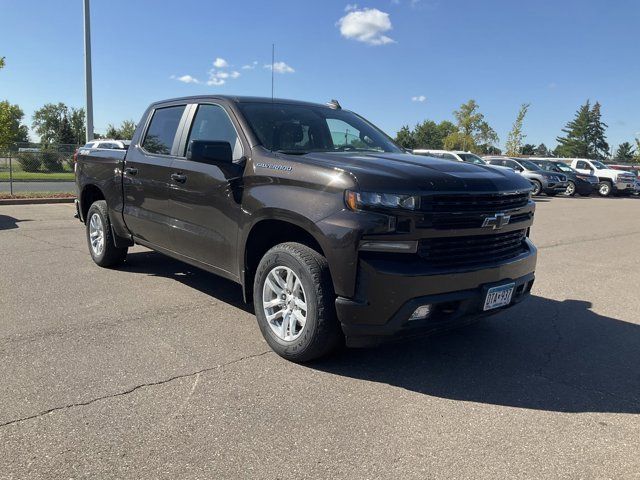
[157, 370]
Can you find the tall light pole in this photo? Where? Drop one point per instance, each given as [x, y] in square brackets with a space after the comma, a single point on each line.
[87, 70]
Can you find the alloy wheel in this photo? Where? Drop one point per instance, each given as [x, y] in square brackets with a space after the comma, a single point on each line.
[96, 234]
[284, 303]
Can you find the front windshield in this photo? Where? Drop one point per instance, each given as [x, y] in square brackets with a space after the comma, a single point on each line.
[529, 165]
[564, 168]
[299, 129]
[599, 165]
[471, 158]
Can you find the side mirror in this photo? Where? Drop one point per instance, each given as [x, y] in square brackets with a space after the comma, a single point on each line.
[205, 151]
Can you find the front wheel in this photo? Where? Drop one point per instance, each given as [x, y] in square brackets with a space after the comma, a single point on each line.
[294, 303]
[537, 187]
[100, 238]
[604, 189]
[571, 189]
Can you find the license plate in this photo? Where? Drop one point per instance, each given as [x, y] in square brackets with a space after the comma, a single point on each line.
[499, 296]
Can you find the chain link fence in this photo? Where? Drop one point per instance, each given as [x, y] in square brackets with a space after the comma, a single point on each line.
[35, 169]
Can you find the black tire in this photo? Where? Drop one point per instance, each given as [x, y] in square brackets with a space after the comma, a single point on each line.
[321, 333]
[605, 189]
[109, 255]
[537, 187]
[571, 189]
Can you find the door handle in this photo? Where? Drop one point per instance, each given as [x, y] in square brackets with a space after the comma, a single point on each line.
[131, 171]
[178, 177]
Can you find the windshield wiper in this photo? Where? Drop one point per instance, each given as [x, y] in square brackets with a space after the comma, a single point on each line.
[292, 152]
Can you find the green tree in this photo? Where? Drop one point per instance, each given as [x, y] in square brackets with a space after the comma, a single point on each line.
[576, 142]
[515, 138]
[430, 134]
[527, 149]
[57, 123]
[2, 63]
[585, 135]
[78, 125]
[47, 121]
[625, 152]
[112, 132]
[404, 138]
[542, 151]
[472, 129]
[127, 129]
[598, 138]
[65, 133]
[11, 128]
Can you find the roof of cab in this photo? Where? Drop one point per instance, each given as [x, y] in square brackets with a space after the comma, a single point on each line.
[238, 99]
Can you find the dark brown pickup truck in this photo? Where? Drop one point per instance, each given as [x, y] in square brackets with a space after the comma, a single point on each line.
[332, 230]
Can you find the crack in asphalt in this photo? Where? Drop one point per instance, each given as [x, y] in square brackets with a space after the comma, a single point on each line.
[133, 389]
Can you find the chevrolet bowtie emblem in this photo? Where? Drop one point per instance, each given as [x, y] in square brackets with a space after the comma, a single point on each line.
[496, 222]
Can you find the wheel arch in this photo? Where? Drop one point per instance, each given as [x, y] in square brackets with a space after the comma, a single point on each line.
[90, 193]
[268, 231]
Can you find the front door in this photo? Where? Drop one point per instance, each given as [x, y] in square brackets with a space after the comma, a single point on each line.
[204, 200]
[147, 178]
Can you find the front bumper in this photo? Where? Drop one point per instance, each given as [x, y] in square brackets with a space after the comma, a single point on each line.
[555, 187]
[624, 186]
[388, 292]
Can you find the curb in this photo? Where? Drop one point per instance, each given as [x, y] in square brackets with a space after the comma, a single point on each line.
[34, 201]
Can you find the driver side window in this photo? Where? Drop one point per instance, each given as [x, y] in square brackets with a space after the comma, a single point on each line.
[212, 123]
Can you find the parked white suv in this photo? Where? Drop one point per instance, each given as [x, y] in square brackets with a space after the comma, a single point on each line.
[610, 180]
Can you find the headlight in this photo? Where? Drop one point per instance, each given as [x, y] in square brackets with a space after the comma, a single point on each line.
[373, 200]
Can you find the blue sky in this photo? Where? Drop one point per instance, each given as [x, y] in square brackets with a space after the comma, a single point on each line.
[382, 54]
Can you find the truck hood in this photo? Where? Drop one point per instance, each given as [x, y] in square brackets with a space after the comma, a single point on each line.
[401, 173]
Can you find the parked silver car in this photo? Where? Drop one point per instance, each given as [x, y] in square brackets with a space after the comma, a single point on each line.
[550, 183]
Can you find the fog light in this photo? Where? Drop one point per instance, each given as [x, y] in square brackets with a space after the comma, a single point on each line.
[421, 312]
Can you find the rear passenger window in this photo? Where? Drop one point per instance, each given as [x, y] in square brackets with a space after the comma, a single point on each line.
[162, 130]
[212, 123]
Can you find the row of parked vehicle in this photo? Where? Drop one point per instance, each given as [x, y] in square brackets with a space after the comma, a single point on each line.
[553, 176]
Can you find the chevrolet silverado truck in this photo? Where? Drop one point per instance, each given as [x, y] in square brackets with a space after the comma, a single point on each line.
[334, 233]
[610, 181]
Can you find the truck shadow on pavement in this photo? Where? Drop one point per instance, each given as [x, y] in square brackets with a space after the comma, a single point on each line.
[157, 265]
[542, 354]
[8, 223]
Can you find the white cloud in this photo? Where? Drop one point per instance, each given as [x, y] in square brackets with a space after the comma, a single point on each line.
[220, 63]
[250, 66]
[234, 74]
[419, 98]
[280, 67]
[351, 6]
[213, 81]
[185, 79]
[367, 25]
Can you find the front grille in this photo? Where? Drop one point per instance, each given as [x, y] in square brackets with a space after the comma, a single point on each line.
[485, 203]
[451, 252]
[452, 222]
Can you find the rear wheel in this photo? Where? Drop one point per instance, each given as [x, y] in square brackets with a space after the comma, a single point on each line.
[294, 303]
[100, 237]
[604, 189]
[571, 189]
[537, 187]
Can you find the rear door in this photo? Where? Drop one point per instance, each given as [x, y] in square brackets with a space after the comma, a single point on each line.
[147, 176]
[205, 202]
